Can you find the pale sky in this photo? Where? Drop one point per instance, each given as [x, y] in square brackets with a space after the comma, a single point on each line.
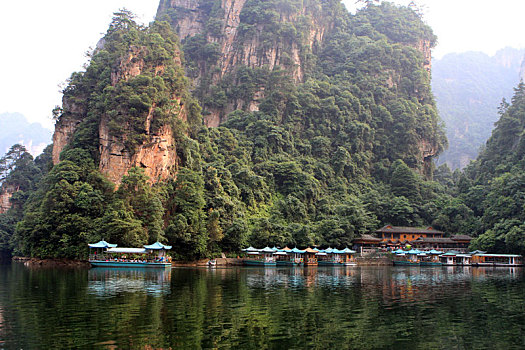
[43, 42]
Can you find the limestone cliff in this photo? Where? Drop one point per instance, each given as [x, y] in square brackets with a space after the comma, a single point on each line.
[425, 47]
[6, 192]
[124, 107]
[157, 154]
[65, 127]
[244, 39]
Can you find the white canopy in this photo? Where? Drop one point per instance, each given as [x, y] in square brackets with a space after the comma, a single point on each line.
[127, 250]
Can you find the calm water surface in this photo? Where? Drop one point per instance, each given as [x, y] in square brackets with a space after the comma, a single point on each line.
[252, 308]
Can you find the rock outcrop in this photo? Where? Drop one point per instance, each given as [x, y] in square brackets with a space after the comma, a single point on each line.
[427, 151]
[249, 43]
[6, 192]
[426, 49]
[73, 113]
[158, 156]
[156, 152]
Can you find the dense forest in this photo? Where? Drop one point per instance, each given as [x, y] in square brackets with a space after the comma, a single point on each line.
[335, 153]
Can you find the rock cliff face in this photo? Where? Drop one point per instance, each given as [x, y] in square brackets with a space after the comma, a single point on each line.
[156, 154]
[65, 127]
[427, 151]
[245, 41]
[425, 47]
[6, 192]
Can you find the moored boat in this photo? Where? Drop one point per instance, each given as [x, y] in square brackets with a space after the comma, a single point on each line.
[289, 257]
[430, 258]
[310, 257]
[260, 257]
[109, 255]
[498, 260]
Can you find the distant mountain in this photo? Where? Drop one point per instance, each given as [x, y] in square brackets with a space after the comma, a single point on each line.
[14, 128]
[469, 88]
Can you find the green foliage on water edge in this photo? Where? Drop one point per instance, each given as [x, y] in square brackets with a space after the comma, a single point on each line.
[320, 162]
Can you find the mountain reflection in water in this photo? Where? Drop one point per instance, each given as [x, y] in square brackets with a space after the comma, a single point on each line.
[254, 308]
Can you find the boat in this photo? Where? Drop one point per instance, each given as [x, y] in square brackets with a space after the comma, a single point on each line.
[407, 258]
[406, 263]
[335, 257]
[310, 257]
[347, 258]
[260, 257]
[288, 257]
[455, 258]
[497, 260]
[105, 254]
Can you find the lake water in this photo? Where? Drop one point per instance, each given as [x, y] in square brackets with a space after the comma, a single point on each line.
[257, 308]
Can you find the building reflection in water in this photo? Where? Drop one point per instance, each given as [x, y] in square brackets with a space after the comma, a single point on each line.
[299, 277]
[109, 282]
[400, 285]
[392, 285]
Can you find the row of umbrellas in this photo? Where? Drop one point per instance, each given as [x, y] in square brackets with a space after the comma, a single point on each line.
[285, 250]
[417, 252]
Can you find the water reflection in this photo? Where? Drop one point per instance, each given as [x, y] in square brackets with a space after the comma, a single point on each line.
[254, 308]
[109, 282]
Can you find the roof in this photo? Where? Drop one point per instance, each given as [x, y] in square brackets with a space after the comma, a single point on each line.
[250, 249]
[266, 250]
[310, 250]
[157, 246]
[402, 229]
[500, 255]
[434, 240]
[102, 244]
[297, 251]
[461, 238]
[127, 250]
[451, 253]
[368, 238]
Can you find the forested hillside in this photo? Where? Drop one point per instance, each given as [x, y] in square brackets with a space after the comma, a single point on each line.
[493, 186]
[269, 123]
[469, 88]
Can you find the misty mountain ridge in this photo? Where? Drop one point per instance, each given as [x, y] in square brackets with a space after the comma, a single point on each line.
[468, 88]
[15, 128]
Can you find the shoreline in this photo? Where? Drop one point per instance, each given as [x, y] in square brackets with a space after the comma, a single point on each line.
[51, 263]
[220, 262]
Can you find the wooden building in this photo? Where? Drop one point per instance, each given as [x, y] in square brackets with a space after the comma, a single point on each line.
[366, 244]
[394, 237]
[457, 242]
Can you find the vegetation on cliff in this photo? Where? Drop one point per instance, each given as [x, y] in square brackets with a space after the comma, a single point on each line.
[319, 161]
